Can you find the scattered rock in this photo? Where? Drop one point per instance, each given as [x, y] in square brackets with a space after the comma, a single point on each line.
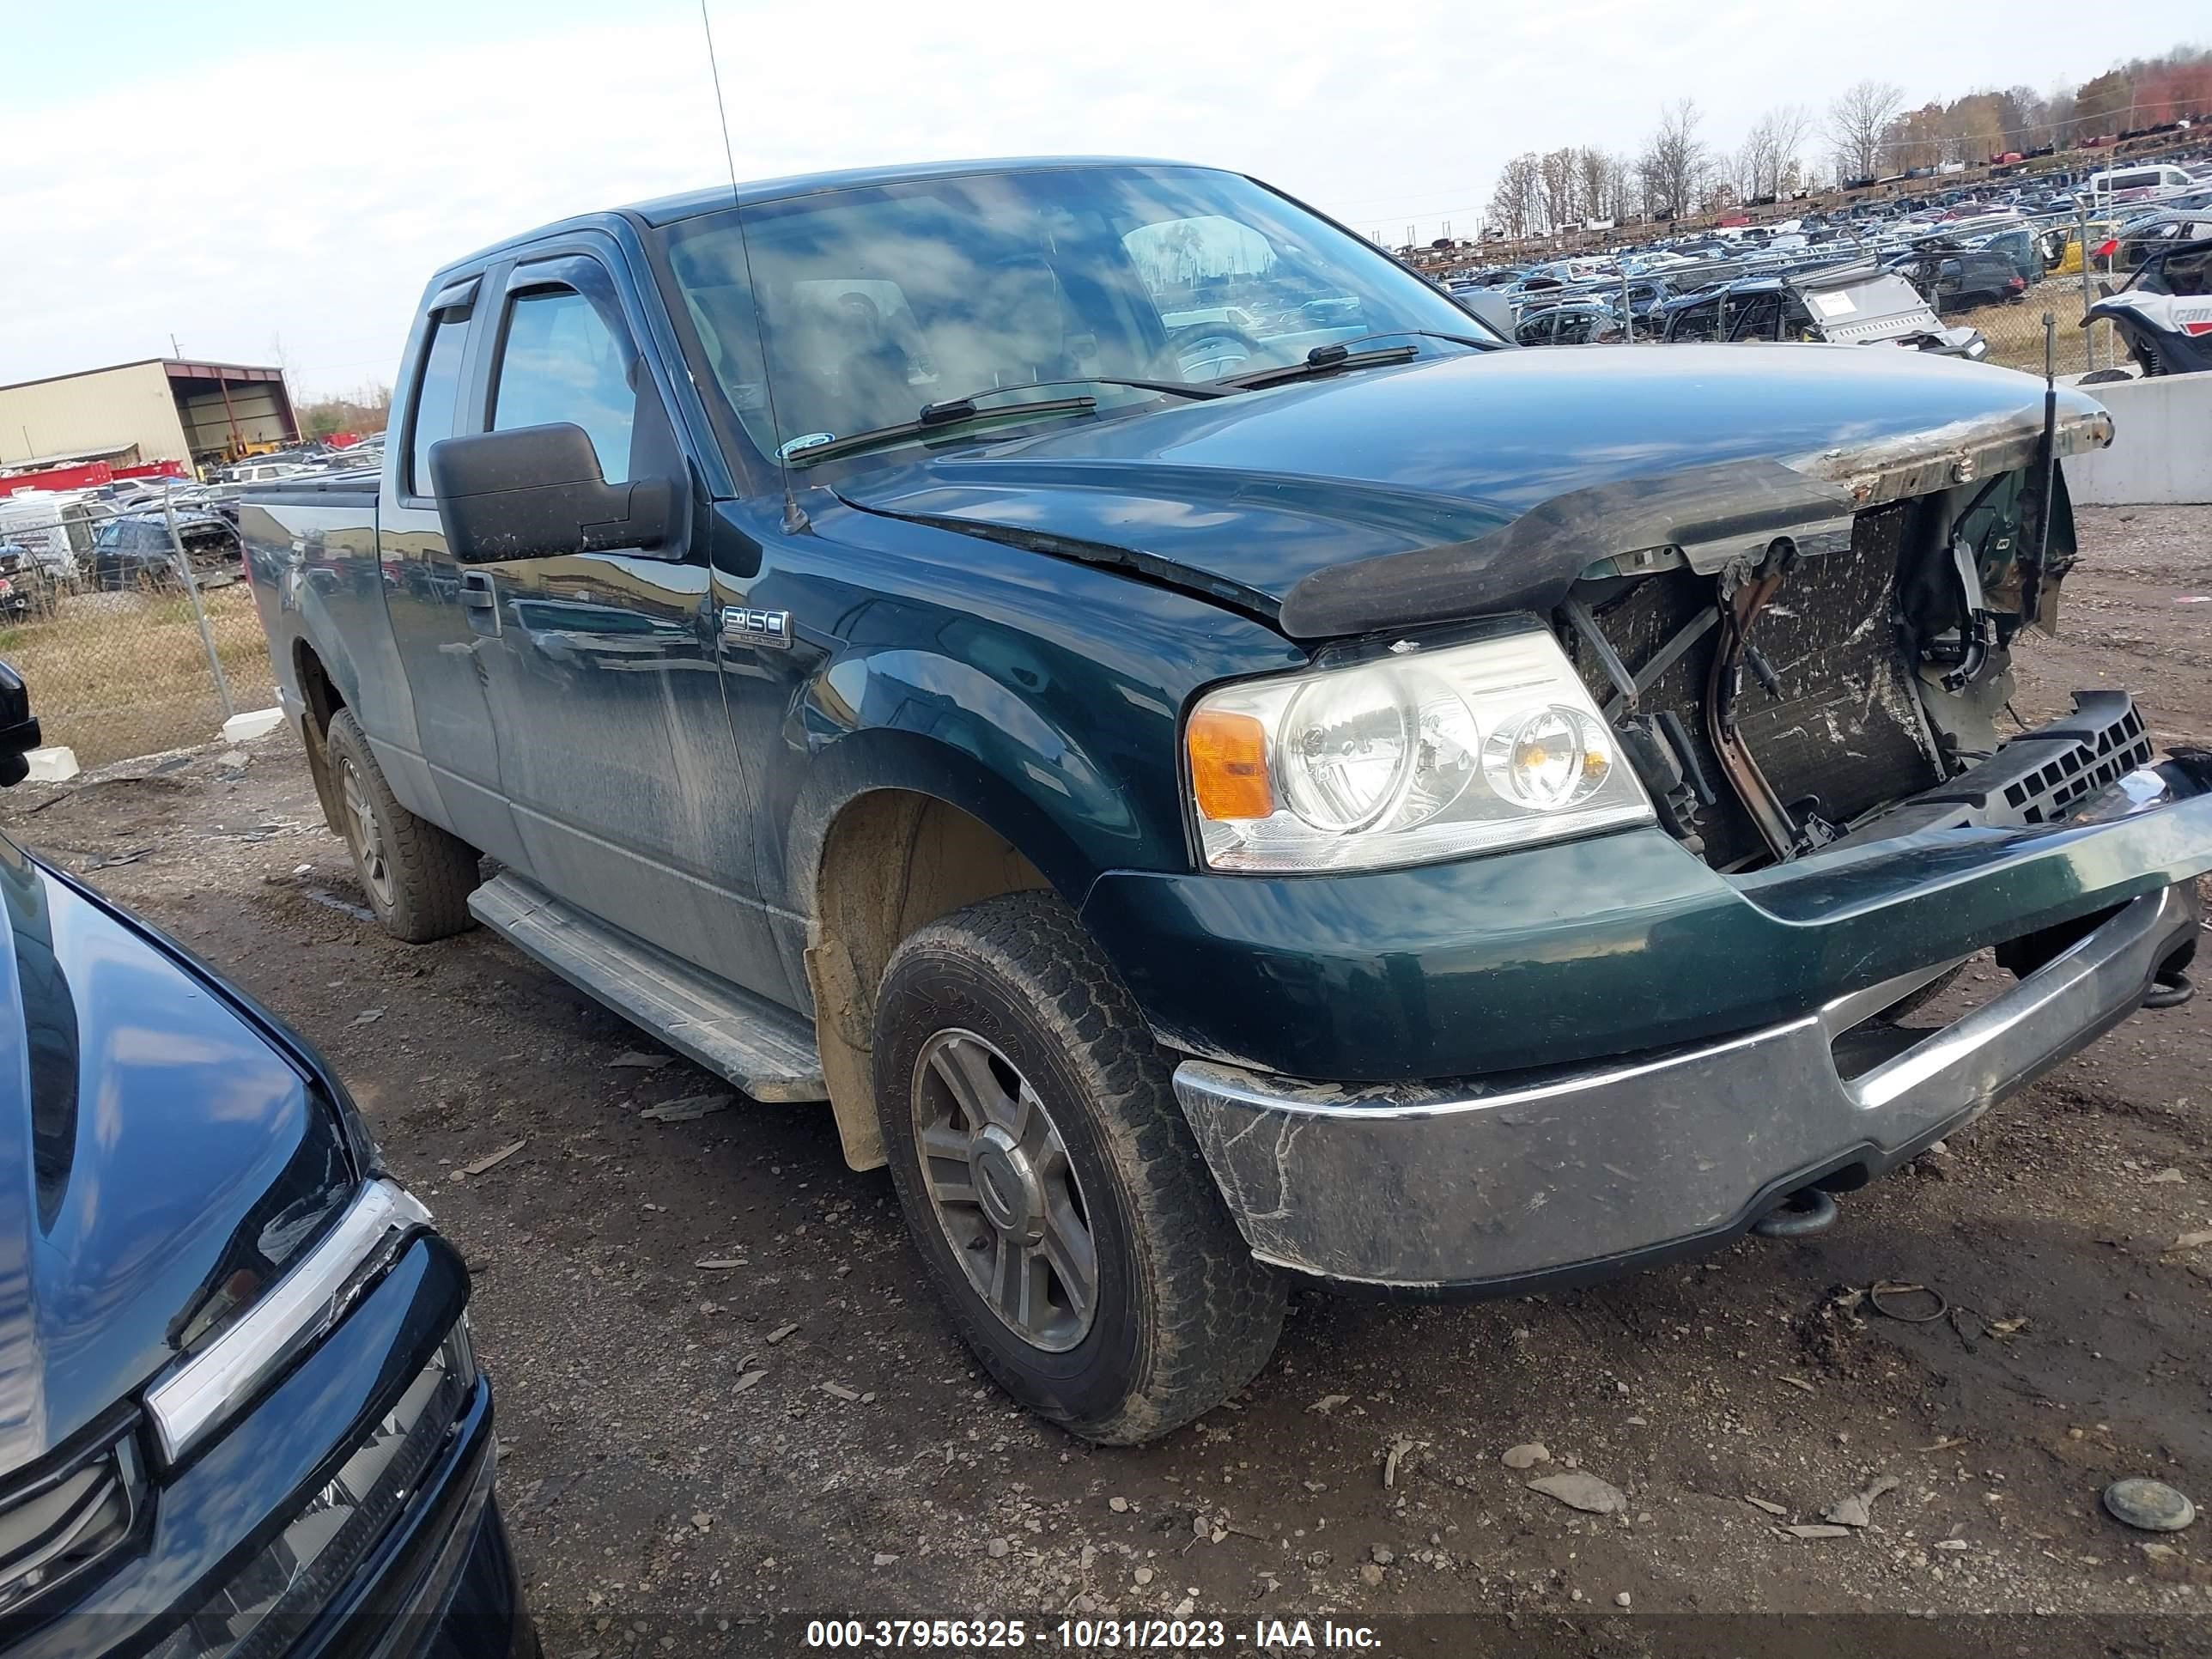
[1369, 1574]
[1579, 1489]
[1948, 1544]
[715, 1264]
[1857, 1509]
[1383, 1555]
[2149, 1505]
[2158, 1552]
[746, 1381]
[1623, 1599]
[1526, 1456]
[491, 1161]
[370, 1016]
[1761, 1504]
[1328, 1402]
[1814, 1530]
[884, 1560]
[2190, 1241]
[1119, 1505]
[781, 1331]
[687, 1108]
[839, 1391]
[1143, 1576]
[2166, 1178]
[1798, 1382]
[997, 1549]
[702, 1520]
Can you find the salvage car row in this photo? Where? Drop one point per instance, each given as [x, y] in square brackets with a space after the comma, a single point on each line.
[1214, 770]
[1754, 282]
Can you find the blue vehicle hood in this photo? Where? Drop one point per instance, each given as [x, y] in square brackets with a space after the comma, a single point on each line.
[1244, 496]
[154, 1147]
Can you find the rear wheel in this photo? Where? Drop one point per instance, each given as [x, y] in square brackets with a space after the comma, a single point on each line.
[1053, 1188]
[417, 877]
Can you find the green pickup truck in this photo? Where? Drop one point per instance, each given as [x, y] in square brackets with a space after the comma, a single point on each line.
[1316, 793]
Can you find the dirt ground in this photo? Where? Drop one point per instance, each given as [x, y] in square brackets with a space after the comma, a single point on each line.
[727, 1403]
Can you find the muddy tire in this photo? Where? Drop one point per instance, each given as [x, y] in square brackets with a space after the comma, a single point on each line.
[1054, 1190]
[417, 877]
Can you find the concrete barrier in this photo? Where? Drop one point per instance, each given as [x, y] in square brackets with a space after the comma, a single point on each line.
[2161, 448]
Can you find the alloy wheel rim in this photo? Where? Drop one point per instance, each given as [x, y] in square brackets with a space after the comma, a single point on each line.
[366, 834]
[996, 1173]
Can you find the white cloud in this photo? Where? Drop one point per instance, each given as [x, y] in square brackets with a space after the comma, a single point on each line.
[305, 191]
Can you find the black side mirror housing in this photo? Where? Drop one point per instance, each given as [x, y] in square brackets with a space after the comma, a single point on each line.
[536, 492]
[19, 730]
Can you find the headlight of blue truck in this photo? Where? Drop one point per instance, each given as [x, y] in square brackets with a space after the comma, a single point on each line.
[1414, 757]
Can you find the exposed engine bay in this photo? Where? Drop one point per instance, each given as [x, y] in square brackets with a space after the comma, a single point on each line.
[1791, 700]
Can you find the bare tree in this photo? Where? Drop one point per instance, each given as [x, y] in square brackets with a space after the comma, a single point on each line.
[1558, 171]
[1674, 162]
[1855, 121]
[1788, 126]
[1517, 203]
[1593, 184]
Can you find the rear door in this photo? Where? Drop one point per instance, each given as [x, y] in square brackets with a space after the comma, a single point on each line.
[616, 754]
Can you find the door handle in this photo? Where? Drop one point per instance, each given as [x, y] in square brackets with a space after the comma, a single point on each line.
[480, 601]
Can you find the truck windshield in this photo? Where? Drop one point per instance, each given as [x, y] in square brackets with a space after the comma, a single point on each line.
[877, 301]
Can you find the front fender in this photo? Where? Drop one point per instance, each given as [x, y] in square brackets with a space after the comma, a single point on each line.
[951, 732]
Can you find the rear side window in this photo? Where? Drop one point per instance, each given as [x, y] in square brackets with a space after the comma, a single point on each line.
[562, 362]
[435, 396]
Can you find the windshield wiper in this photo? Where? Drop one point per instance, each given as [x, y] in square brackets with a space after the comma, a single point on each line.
[956, 411]
[932, 418]
[1339, 354]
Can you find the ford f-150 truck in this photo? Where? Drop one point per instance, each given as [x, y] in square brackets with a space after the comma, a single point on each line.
[1342, 797]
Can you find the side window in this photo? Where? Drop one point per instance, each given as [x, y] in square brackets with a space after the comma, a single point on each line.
[435, 396]
[560, 361]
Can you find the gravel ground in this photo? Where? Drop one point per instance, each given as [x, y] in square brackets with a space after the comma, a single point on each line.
[727, 1404]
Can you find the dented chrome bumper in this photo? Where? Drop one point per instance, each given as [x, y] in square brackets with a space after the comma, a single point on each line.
[1577, 1171]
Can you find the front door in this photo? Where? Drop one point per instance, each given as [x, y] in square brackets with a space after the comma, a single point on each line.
[439, 639]
[616, 754]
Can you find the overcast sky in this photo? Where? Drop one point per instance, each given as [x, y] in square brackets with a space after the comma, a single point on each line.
[262, 180]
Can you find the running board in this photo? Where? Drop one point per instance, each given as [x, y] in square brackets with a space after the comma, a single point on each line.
[765, 1050]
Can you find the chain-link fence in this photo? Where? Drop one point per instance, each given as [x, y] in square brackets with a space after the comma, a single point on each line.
[2075, 278]
[131, 622]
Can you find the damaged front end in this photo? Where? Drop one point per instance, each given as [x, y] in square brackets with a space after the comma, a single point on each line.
[1782, 702]
[1598, 1055]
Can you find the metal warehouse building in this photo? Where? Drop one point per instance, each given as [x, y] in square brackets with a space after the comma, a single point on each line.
[161, 410]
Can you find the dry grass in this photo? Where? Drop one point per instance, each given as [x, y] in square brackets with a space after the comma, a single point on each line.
[115, 675]
[2014, 330]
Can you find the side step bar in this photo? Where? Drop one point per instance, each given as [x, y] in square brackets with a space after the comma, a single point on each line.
[765, 1050]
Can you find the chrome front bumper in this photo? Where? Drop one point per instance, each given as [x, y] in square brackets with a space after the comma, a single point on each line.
[1584, 1169]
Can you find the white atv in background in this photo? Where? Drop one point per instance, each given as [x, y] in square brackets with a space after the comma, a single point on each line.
[2164, 314]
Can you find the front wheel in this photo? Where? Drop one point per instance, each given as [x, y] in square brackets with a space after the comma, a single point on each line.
[1059, 1202]
[417, 877]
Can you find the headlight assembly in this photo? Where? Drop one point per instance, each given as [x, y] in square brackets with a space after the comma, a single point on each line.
[1413, 757]
[195, 1399]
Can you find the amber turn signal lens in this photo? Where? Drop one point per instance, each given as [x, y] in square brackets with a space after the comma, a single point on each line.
[1228, 765]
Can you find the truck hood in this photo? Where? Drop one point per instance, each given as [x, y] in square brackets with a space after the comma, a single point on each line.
[153, 1148]
[1500, 474]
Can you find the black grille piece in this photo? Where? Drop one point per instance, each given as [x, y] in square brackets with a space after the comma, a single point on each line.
[66, 1521]
[1847, 729]
[2037, 778]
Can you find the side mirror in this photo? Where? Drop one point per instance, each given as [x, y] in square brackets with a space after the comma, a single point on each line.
[19, 731]
[536, 492]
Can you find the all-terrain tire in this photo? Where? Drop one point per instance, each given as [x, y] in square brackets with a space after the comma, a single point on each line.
[416, 876]
[1182, 1315]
